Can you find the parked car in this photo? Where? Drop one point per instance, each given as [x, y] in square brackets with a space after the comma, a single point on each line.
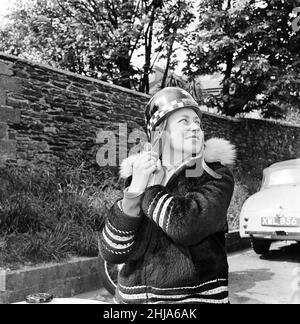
[273, 213]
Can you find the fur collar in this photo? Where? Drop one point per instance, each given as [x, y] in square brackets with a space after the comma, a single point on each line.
[215, 150]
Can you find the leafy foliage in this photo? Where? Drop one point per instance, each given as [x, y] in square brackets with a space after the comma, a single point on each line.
[51, 216]
[246, 184]
[173, 22]
[251, 42]
[96, 38]
[253, 45]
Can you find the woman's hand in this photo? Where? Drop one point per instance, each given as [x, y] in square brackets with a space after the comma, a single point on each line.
[143, 168]
[158, 176]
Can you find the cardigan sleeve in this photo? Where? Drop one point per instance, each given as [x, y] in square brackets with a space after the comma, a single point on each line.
[118, 235]
[189, 219]
[131, 203]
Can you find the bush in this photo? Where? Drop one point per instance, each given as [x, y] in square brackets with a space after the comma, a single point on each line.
[50, 216]
[54, 215]
[245, 186]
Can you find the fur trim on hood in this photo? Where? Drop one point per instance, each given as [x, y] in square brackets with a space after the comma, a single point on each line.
[215, 150]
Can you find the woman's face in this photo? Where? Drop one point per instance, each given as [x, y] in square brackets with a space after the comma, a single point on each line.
[185, 132]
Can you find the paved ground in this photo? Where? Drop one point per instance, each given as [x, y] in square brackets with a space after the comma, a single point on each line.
[264, 279]
[101, 294]
[253, 279]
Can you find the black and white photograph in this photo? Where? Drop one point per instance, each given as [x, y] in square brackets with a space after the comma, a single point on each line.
[149, 154]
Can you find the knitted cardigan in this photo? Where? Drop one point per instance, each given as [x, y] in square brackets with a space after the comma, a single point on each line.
[174, 252]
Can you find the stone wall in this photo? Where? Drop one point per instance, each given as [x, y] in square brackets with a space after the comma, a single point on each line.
[259, 142]
[65, 279]
[48, 116]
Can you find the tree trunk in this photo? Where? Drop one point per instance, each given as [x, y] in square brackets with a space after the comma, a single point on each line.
[169, 55]
[123, 61]
[148, 51]
[229, 66]
[124, 67]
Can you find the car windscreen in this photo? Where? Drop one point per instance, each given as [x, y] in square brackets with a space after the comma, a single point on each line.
[282, 177]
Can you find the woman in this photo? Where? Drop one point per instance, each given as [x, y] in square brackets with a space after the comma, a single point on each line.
[169, 228]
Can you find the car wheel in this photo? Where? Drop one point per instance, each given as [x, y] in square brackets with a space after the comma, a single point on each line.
[260, 246]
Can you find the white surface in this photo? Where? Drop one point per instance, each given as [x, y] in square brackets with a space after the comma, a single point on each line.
[277, 201]
[69, 301]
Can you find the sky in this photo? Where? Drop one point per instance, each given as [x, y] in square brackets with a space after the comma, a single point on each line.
[4, 6]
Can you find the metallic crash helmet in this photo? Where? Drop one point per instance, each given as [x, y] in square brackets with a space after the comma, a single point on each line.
[164, 103]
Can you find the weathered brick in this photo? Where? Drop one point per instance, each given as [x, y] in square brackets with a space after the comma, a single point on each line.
[101, 107]
[7, 149]
[17, 103]
[2, 280]
[11, 115]
[15, 280]
[76, 89]
[10, 83]
[6, 68]
[65, 118]
[2, 97]
[89, 266]
[4, 297]
[89, 282]
[51, 129]
[66, 270]
[19, 295]
[60, 84]
[3, 131]
[21, 74]
[87, 86]
[99, 95]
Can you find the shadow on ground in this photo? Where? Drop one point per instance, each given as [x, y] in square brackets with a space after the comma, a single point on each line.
[288, 253]
[243, 281]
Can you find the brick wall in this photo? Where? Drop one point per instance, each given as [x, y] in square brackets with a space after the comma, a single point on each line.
[48, 116]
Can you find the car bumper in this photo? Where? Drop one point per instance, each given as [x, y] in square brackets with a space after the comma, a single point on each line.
[275, 235]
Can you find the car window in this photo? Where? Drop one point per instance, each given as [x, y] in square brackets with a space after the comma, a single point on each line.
[282, 177]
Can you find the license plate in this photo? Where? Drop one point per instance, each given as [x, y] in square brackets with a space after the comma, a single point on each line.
[282, 221]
